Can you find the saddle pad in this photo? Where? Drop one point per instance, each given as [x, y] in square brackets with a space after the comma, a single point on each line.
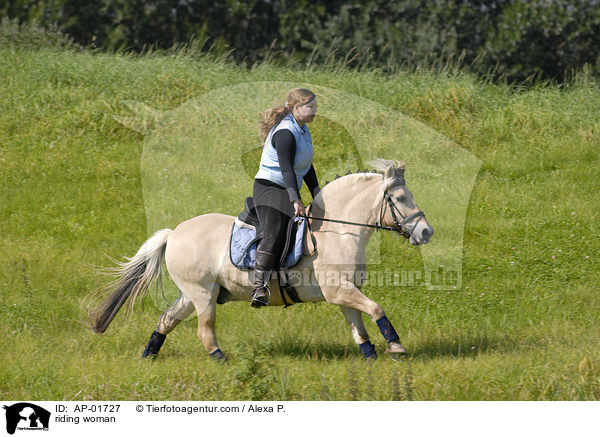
[244, 241]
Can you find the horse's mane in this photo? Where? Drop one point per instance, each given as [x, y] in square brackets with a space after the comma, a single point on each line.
[379, 166]
[340, 183]
[353, 177]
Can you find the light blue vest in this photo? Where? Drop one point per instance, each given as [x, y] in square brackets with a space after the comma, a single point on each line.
[269, 168]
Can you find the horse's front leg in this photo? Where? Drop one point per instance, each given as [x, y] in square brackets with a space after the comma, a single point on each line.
[346, 294]
[359, 332]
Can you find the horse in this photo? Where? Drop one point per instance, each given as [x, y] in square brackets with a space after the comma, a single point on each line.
[342, 219]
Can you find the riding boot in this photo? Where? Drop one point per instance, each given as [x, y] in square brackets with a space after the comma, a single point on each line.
[261, 294]
[265, 262]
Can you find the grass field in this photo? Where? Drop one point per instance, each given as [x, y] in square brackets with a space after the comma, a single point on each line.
[523, 326]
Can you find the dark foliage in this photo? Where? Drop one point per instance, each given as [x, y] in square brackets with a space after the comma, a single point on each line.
[515, 39]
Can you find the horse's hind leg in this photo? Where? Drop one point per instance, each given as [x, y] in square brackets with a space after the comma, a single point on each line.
[204, 299]
[206, 329]
[179, 310]
[359, 332]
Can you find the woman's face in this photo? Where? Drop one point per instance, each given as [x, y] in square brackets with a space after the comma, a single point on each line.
[307, 112]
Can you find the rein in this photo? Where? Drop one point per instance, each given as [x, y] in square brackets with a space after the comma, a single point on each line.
[400, 225]
[367, 225]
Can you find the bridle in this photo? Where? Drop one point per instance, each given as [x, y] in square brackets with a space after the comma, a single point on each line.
[400, 225]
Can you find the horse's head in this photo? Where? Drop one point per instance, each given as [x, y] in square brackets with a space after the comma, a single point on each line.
[399, 209]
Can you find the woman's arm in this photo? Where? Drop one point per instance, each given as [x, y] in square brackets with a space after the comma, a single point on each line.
[312, 182]
[285, 145]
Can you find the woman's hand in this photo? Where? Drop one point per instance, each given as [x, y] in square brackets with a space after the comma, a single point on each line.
[299, 208]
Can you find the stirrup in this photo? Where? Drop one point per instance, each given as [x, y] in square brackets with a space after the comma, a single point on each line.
[263, 299]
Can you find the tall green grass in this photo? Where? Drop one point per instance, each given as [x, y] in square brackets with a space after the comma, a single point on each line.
[524, 326]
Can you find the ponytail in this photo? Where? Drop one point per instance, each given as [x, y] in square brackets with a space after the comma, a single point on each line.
[272, 116]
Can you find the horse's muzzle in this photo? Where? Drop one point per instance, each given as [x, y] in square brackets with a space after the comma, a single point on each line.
[421, 234]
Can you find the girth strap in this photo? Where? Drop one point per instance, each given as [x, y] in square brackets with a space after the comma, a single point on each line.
[282, 275]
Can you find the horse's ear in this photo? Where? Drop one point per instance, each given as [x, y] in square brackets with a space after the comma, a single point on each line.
[390, 172]
[400, 170]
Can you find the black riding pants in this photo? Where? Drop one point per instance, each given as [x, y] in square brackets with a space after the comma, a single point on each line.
[274, 210]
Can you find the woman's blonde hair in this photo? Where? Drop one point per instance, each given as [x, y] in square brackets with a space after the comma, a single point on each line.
[272, 116]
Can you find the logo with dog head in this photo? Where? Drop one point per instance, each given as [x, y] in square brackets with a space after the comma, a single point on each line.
[26, 416]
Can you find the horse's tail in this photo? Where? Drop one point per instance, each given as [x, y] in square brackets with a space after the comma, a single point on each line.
[133, 278]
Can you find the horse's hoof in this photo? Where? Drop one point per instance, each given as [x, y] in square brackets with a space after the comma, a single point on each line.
[396, 349]
[218, 356]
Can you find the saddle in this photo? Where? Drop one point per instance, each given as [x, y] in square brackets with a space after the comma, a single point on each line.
[245, 235]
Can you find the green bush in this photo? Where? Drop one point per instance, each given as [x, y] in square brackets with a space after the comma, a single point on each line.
[33, 35]
[514, 39]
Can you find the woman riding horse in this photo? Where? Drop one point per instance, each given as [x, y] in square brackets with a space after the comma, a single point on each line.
[285, 162]
[206, 277]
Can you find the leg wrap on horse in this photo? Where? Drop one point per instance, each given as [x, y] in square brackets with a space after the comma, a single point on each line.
[368, 350]
[387, 330]
[217, 355]
[154, 344]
